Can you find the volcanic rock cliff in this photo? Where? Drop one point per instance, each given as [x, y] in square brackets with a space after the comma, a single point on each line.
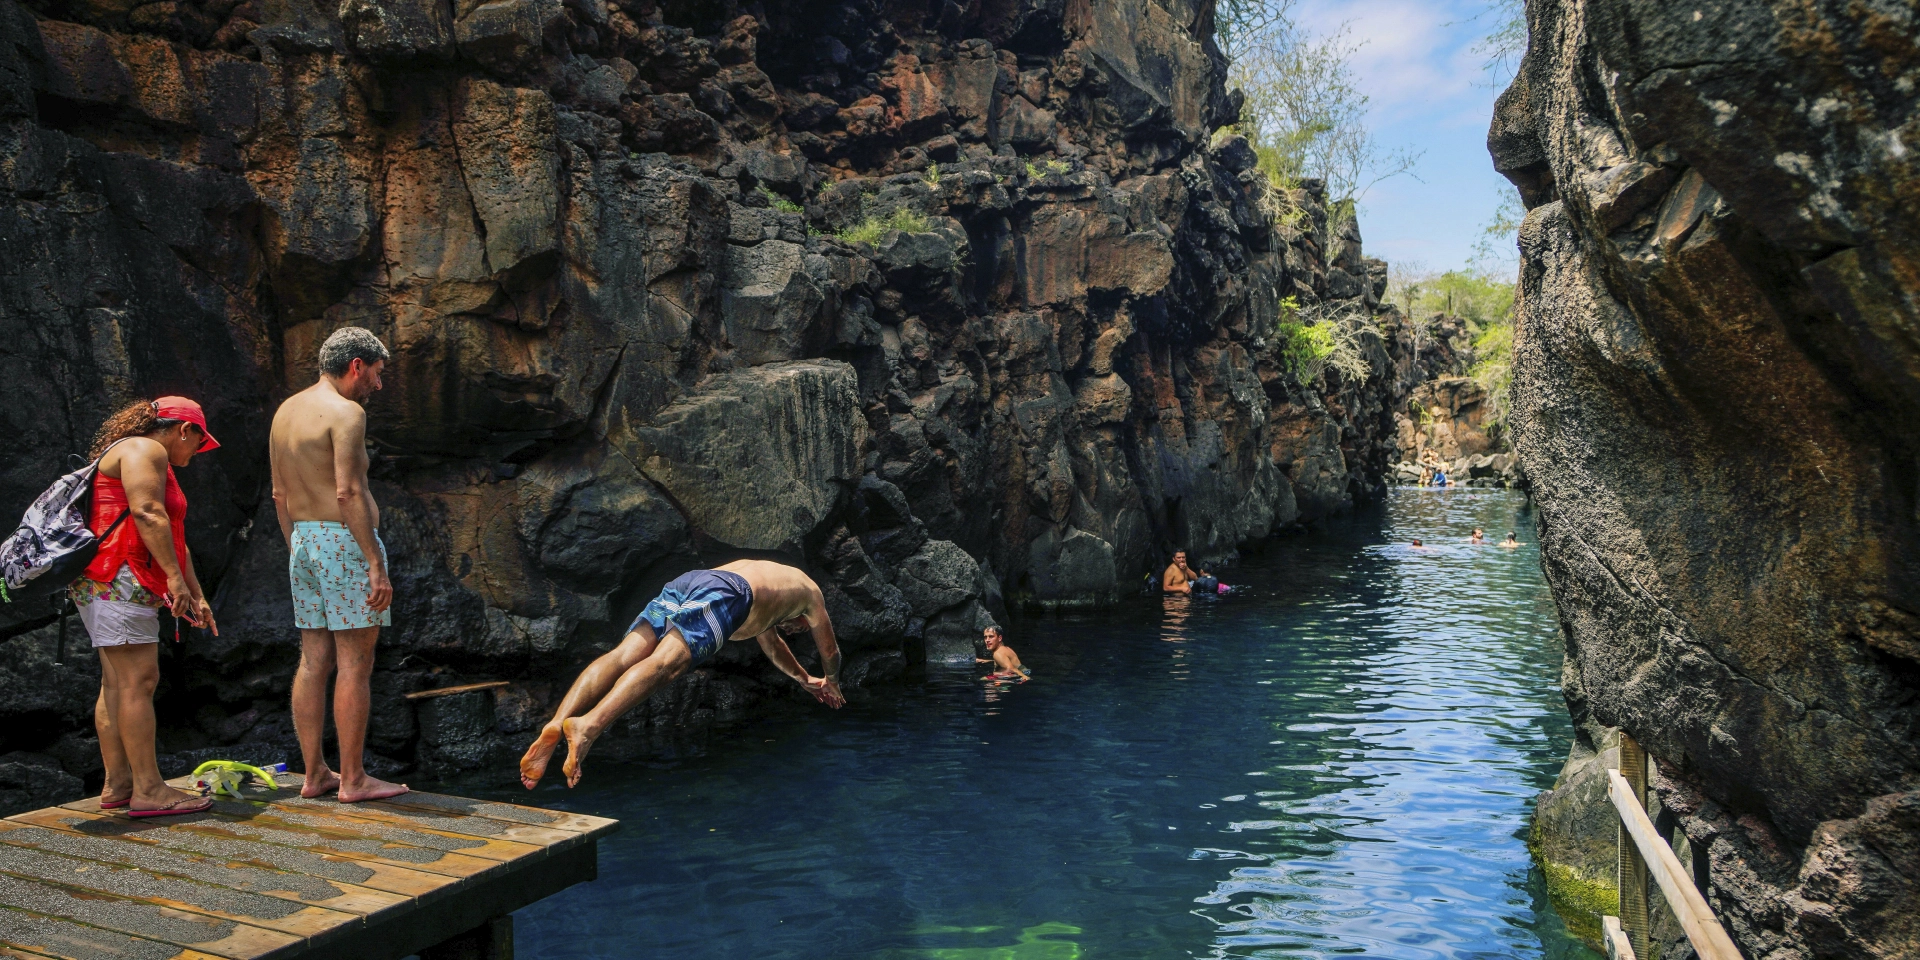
[1716, 381]
[949, 302]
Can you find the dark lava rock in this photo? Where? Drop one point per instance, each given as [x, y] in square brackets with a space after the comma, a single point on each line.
[1715, 387]
[621, 352]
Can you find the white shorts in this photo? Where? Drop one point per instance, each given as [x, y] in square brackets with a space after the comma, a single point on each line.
[117, 623]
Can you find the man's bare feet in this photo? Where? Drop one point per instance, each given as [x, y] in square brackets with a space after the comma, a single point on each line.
[370, 789]
[320, 786]
[533, 766]
[579, 741]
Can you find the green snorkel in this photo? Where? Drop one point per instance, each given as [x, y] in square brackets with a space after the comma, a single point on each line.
[225, 776]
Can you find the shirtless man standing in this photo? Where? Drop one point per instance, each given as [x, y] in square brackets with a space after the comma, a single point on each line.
[341, 594]
[683, 628]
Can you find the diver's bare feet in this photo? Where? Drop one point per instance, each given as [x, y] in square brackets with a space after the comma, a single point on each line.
[579, 741]
[533, 765]
[320, 786]
[370, 789]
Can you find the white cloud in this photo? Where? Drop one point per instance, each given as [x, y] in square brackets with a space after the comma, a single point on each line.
[1414, 58]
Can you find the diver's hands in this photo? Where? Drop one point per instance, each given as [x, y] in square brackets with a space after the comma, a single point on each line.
[825, 690]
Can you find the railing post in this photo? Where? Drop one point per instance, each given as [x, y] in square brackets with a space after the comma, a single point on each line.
[1632, 868]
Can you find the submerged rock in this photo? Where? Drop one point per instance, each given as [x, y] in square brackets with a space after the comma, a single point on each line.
[1715, 383]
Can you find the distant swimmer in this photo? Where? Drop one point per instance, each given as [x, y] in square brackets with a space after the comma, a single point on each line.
[1479, 536]
[1007, 661]
[1417, 545]
[683, 628]
[1509, 542]
[1181, 578]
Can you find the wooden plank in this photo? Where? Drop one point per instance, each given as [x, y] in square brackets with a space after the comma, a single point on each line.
[301, 887]
[187, 896]
[446, 805]
[479, 828]
[33, 937]
[487, 839]
[339, 819]
[148, 921]
[353, 847]
[366, 873]
[1619, 945]
[450, 691]
[1709, 939]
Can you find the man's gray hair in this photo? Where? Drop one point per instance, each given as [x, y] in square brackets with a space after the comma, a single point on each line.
[347, 345]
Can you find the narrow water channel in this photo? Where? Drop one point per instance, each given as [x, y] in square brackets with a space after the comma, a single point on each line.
[1338, 762]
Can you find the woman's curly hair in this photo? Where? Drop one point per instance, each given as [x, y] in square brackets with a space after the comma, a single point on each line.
[133, 420]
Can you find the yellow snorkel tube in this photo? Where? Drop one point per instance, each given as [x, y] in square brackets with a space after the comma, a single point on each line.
[226, 776]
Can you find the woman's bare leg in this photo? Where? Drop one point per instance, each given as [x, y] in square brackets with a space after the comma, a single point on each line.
[137, 672]
[119, 778]
[669, 660]
[592, 684]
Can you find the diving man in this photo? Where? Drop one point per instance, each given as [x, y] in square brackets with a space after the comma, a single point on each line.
[683, 628]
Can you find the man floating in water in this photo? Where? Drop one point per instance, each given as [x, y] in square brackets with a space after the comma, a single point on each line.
[683, 628]
[1181, 578]
[1008, 662]
[1479, 536]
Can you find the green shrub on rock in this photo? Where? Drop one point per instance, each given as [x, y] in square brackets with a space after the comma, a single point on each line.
[876, 226]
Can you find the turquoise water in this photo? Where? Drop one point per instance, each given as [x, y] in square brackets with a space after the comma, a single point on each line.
[1339, 762]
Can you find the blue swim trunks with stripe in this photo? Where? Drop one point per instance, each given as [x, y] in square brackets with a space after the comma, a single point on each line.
[707, 606]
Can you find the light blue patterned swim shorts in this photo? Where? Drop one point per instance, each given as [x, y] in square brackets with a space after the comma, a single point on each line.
[329, 576]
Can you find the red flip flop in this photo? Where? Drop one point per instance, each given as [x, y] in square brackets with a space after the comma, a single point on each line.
[115, 804]
[191, 805]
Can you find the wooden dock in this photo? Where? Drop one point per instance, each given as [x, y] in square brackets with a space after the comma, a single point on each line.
[278, 876]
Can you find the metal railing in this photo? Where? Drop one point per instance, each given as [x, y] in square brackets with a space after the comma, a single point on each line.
[1644, 852]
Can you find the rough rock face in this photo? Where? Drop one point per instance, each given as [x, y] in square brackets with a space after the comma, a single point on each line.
[608, 245]
[1716, 381]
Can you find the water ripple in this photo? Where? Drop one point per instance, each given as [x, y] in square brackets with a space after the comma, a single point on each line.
[1337, 762]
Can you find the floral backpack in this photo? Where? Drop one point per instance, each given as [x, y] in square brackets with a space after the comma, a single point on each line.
[54, 545]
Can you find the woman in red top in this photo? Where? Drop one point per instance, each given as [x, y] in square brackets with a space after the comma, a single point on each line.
[142, 565]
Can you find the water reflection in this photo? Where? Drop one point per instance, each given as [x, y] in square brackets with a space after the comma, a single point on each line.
[1336, 760]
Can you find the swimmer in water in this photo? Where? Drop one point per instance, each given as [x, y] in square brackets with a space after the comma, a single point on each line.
[1417, 545]
[1509, 542]
[1007, 662]
[1479, 536]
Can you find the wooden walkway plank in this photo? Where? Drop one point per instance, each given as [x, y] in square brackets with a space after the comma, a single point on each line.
[333, 819]
[367, 850]
[303, 887]
[187, 896]
[493, 810]
[30, 936]
[492, 833]
[147, 921]
[278, 877]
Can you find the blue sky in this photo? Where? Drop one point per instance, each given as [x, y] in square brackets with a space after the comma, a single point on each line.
[1429, 91]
